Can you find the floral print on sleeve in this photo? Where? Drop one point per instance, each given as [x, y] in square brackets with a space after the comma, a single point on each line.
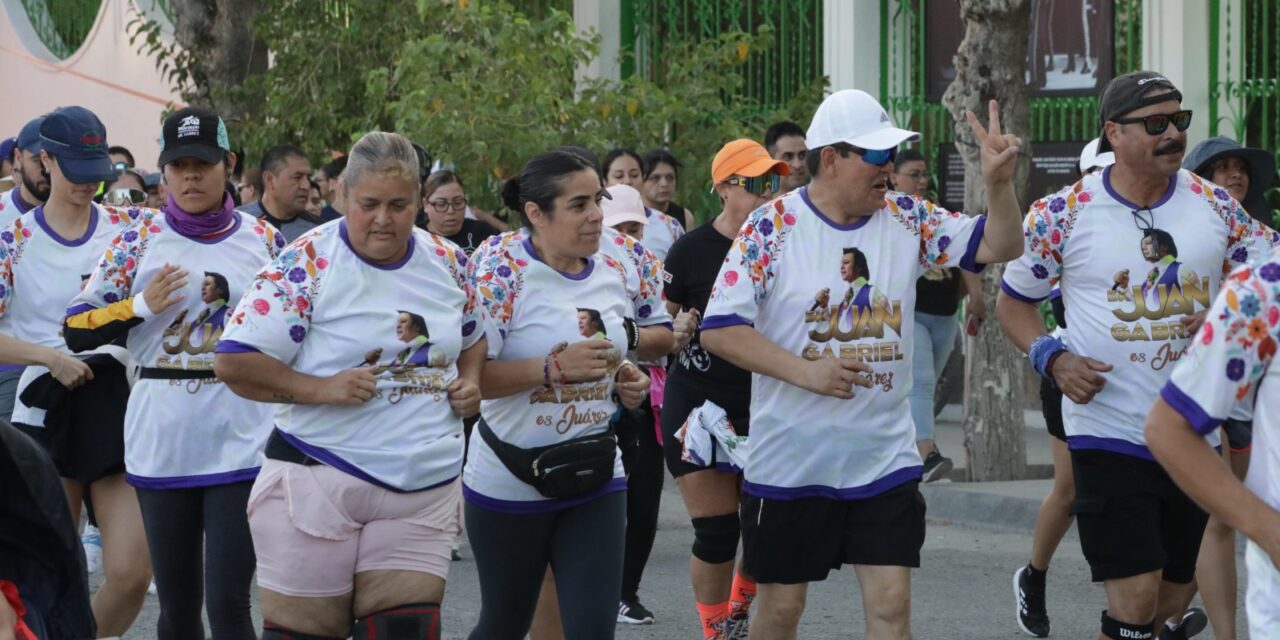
[648, 297]
[1234, 348]
[1247, 239]
[754, 255]
[498, 277]
[456, 261]
[274, 315]
[13, 240]
[112, 281]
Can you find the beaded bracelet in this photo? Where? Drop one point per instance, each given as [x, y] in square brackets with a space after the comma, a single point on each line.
[546, 370]
[564, 380]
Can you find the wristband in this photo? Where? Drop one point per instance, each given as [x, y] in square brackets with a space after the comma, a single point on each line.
[633, 333]
[1043, 351]
[564, 380]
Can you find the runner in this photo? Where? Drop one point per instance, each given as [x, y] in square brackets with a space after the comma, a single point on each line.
[444, 199]
[1133, 295]
[572, 517]
[1230, 366]
[77, 415]
[1054, 518]
[815, 297]
[367, 334]
[938, 294]
[30, 191]
[745, 178]
[785, 142]
[623, 166]
[192, 447]
[661, 173]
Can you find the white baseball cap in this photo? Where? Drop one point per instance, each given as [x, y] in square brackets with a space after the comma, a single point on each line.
[1091, 159]
[854, 117]
[625, 206]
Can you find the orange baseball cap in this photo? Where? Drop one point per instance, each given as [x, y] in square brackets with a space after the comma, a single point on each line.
[747, 158]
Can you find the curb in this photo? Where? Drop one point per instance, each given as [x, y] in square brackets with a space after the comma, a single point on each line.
[962, 503]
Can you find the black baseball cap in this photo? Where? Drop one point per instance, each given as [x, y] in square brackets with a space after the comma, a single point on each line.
[194, 133]
[78, 139]
[1128, 93]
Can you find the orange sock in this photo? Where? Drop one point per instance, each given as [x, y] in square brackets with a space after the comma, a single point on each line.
[713, 617]
[741, 595]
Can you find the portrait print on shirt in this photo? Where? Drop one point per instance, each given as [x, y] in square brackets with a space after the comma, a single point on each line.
[861, 311]
[418, 353]
[201, 335]
[1167, 288]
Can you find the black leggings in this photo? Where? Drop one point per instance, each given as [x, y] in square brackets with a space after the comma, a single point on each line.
[179, 522]
[644, 496]
[584, 547]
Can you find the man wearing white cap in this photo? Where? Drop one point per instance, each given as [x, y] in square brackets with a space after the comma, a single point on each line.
[833, 473]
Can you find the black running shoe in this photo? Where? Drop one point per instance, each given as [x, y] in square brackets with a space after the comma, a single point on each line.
[632, 612]
[936, 467]
[1028, 599]
[1194, 620]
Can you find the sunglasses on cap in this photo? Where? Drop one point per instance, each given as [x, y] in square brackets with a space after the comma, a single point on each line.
[1158, 123]
[124, 197]
[767, 183]
[876, 157]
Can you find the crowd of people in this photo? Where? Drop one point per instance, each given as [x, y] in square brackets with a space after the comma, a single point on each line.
[325, 378]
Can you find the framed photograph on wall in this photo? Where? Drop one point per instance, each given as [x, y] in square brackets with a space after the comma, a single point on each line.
[1070, 47]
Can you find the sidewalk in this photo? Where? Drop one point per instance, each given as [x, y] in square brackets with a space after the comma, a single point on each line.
[1011, 504]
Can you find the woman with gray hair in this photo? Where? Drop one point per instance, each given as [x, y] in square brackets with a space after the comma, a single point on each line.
[357, 503]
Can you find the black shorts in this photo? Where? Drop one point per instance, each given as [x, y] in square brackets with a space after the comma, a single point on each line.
[681, 397]
[84, 433]
[1133, 519]
[1239, 434]
[1051, 407]
[796, 541]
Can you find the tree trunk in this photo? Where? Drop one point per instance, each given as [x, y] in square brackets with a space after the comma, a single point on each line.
[991, 64]
[224, 52]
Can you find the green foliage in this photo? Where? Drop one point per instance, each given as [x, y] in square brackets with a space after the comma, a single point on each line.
[485, 86]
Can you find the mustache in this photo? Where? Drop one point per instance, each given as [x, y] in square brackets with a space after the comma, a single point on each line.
[1174, 146]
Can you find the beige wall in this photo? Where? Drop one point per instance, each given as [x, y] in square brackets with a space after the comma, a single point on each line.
[106, 76]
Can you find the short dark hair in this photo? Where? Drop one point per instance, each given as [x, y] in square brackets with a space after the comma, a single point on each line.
[909, 155]
[859, 261]
[220, 284]
[813, 158]
[594, 317]
[252, 176]
[587, 154]
[417, 322]
[128, 155]
[656, 157]
[541, 181]
[614, 154]
[334, 168]
[315, 185]
[277, 156]
[1162, 241]
[780, 130]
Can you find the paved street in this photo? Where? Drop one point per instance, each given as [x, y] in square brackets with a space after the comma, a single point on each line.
[978, 534]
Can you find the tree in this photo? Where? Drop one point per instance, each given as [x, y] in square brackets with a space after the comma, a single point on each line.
[213, 50]
[991, 64]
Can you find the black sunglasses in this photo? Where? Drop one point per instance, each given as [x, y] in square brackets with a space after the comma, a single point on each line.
[1158, 123]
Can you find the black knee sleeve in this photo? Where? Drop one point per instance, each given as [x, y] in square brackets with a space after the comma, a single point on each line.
[1113, 628]
[272, 631]
[420, 621]
[715, 539]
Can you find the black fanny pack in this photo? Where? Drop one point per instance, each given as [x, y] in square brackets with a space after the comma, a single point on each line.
[562, 470]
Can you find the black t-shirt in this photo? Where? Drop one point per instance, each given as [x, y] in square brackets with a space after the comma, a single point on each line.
[693, 264]
[938, 292]
[472, 233]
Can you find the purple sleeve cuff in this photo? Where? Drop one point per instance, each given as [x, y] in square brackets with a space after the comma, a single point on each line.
[1007, 288]
[79, 309]
[720, 322]
[970, 260]
[1200, 420]
[231, 346]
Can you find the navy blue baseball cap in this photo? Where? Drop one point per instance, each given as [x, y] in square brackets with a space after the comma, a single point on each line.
[6, 148]
[78, 139]
[29, 138]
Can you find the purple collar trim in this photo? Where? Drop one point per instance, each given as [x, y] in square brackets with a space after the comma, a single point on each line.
[857, 224]
[21, 204]
[581, 275]
[346, 239]
[88, 232]
[207, 228]
[1168, 192]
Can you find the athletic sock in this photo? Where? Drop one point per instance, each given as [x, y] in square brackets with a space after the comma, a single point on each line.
[1036, 576]
[741, 595]
[712, 617]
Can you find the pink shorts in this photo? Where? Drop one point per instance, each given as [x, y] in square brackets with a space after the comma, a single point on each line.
[315, 527]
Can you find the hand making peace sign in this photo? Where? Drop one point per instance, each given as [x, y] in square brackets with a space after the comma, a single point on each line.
[999, 150]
